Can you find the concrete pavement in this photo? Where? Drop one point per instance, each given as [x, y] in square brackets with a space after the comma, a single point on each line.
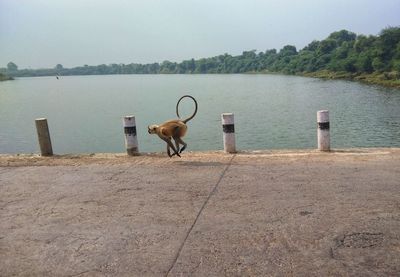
[277, 213]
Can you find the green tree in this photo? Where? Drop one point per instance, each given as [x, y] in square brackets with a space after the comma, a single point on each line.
[288, 50]
[378, 64]
[342, 36]
[389, 38]
[396, 65]
[312, 46]
[12, 67]
[364, 63]
[326, 46]
[364, 43]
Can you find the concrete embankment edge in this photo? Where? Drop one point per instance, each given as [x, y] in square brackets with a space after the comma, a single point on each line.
[150, 158]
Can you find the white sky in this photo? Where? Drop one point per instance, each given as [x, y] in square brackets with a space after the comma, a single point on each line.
[42, 33]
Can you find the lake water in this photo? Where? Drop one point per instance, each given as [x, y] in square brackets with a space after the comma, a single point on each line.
[271, 111]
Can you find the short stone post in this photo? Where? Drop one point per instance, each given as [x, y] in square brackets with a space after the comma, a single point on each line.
[44, 137]
[131, 142]
[228, 128]
[323, 131]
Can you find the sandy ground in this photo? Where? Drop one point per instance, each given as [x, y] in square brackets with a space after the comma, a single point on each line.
[260, 213]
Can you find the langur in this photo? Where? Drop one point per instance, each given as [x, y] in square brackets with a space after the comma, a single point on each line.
[173, 129]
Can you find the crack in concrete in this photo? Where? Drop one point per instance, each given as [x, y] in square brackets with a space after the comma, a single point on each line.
[198, 215]
[83, 272]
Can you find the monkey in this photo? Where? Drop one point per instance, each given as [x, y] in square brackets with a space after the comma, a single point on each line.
[174, 129]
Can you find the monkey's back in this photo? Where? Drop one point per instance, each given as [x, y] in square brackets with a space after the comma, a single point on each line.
[173, 128]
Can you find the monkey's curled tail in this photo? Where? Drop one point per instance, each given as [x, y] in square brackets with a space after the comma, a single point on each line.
[195, 110]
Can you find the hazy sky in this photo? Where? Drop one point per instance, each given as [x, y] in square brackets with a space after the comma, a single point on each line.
[42, 33]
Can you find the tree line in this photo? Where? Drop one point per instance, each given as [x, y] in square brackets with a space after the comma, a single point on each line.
[341, 51]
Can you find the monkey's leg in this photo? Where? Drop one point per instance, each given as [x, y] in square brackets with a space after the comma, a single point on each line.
[176, 137]
[169, 144]
[181, 142]
[169, 151]
[176, 144]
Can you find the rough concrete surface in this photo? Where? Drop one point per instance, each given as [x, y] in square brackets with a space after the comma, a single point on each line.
[277, 213]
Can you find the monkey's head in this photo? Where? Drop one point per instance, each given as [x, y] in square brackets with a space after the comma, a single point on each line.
[152, 129]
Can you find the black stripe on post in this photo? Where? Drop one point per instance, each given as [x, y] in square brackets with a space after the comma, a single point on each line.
[323, 125]
[130, 130]
[228, 128]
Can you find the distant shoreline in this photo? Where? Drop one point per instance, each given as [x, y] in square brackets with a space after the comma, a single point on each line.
[386, 79]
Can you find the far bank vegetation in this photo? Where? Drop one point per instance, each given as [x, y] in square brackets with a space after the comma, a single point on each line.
[342, 55]
[4, 77]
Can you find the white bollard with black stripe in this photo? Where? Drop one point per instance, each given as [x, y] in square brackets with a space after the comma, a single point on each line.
[131, 142]
[323, 131]
[228, 128]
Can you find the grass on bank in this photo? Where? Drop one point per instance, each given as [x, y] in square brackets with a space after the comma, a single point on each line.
[5, 77]
[387, 79]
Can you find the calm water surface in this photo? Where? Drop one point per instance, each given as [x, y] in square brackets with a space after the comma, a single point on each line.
[271, 111]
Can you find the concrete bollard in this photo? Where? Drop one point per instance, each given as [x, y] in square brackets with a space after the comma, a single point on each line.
[323, 131]
[228, 128]
[131, 142]
[44, 137]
